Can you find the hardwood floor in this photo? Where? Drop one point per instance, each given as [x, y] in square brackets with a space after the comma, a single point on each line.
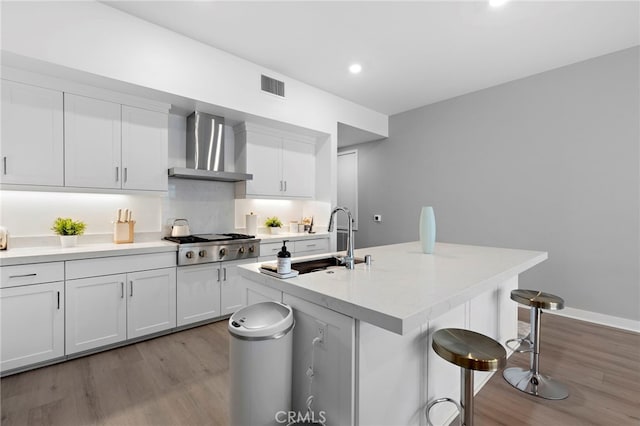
[182, 379]
[600, 365]
[178, 379]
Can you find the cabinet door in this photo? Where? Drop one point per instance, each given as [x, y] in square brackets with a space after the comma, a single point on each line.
[92, 142]
[144, 149]
[32, 324]
[96, 313]
[264, 161]
[198, 293]
[298, 168]
[233, 293]
[151, 304]
[32, 135]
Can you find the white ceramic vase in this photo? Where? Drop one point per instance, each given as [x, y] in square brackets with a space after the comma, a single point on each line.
[427, 229]
[68, 240]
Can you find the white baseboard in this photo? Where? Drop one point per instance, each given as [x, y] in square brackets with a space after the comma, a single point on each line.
[602, 319]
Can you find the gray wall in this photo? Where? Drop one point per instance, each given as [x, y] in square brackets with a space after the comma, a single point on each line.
[549, 162]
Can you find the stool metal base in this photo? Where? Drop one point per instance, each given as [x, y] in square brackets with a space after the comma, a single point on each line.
[535, 384]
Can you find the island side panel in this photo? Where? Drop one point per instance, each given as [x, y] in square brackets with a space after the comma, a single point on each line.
[399, 375]
[392, 367]
[333, 380]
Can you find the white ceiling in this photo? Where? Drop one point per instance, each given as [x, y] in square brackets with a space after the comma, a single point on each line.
[412, 53]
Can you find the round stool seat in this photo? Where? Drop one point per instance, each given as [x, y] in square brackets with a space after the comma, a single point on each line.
[537, 299]
[468, 349]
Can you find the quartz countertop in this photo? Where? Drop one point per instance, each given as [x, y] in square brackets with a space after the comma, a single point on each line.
[403, 287]
[21, 256]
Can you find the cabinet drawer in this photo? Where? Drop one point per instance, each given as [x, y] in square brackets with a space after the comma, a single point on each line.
[118, 264]
[271, 249]
[35, 273]
[318, 245]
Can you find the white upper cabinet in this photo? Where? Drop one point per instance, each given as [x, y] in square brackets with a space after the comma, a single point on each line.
[283, 164]
[92, 135]
[32, 135]
[144, 149]
[264, 160]
[108, 145]
[298, 168]
[51, 138]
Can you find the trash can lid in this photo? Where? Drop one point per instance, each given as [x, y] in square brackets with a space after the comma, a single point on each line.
[262, 321]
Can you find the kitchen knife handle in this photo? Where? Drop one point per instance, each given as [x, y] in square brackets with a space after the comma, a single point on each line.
[117, 173]
[121, 290]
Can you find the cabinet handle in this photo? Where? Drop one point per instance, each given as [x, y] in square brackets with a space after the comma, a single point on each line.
[311, 245]
[58, 300]
[131, 284]
[117, 173]
[125, 175]
[4, 164]
[23, 275]
[122, 290]
[225, 273]
[218, 275]
[285, 186]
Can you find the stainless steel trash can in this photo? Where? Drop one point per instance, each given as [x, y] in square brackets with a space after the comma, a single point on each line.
[260, 352]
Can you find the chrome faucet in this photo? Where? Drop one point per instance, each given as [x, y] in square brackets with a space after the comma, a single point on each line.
[349, 259]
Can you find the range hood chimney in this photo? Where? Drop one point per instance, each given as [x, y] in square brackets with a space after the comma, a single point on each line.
[205, 151]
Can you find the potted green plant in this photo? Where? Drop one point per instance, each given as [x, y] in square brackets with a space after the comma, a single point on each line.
[273, 224]
[68, 230]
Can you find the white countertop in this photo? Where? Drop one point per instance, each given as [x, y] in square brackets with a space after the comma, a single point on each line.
[21, 256]
[404, 288]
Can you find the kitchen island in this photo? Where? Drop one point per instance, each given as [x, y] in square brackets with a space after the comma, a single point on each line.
[376, 366]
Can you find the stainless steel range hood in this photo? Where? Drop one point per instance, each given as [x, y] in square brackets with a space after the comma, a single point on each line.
[205, 151]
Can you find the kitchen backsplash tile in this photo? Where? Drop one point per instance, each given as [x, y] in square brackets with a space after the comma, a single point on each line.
[207, 205]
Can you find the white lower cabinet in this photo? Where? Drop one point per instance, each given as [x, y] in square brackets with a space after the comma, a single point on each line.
[209, 291]
[112, 299]
[233, 294]
[304, 247]
[198, 293]
[32, 324]
[110, 309]
[96, 312]
[151, 303]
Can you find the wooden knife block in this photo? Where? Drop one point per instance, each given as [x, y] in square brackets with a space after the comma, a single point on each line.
[123, 232]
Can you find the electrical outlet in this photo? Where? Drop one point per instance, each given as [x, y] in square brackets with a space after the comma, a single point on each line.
[323, 331]
[377, 218]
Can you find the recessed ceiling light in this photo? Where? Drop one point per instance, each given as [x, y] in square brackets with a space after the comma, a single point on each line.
[355, 68]
[497, 3]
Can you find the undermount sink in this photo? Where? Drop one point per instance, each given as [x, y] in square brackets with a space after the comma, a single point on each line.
[314, 265]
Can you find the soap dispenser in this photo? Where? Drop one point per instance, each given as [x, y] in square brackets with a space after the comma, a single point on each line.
[284, 259]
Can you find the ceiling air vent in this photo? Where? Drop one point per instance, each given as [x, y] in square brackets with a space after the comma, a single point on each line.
[272, 85]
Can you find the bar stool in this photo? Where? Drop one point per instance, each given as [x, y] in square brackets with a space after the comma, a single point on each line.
[470, 351]
[531, 381]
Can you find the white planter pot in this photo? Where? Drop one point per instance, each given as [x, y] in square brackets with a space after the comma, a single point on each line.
[68, 240]
[274, 230]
